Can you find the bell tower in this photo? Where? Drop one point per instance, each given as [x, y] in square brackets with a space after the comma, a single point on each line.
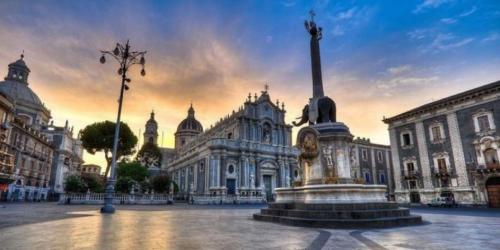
[151, 132]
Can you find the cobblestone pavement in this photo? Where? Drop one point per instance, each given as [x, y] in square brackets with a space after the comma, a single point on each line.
[51, 226]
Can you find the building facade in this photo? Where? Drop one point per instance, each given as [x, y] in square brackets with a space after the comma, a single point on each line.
[449, 148]
[67, 155]
[6, 158]
[372, 164]
[29, 141]
[242, 158]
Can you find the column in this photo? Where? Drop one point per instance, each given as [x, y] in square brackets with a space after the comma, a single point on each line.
[423, 155]
[458, 150]
[195, 177]
[389, 171]
[206, 164]
[257, 172]
[395, 159]
[374, 167]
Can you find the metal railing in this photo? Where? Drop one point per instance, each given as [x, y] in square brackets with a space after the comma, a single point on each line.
[98, 198]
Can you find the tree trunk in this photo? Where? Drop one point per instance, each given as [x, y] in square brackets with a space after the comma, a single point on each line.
[108, 167]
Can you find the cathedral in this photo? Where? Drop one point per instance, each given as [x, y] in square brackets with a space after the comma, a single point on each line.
[241, 159]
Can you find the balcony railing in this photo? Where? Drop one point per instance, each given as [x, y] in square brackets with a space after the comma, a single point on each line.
[411, 174]
[492, 166]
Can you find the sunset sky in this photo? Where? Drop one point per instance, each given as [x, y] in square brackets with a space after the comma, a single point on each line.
[379, 58]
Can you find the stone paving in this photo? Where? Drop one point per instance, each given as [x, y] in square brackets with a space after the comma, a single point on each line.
[51, 226]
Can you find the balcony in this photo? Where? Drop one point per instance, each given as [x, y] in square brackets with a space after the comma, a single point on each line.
[493, 166]
[411, 175]
[443, 172]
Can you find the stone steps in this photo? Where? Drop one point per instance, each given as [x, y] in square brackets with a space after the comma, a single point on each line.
[335, 207]
[354, 215]
[328, 214]
[342, 223]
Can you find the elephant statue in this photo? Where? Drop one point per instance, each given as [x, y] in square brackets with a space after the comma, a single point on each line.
[304, 118]
[326, 112]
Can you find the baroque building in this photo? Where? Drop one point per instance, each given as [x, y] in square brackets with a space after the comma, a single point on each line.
[449, 148]
[67, 156]
[6, 158]
[240, 159]
[30, 142]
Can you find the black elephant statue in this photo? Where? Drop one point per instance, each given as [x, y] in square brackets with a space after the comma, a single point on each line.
[326, 112]
[304, 118]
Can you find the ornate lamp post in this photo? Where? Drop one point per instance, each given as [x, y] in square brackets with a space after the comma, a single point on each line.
[125, 58]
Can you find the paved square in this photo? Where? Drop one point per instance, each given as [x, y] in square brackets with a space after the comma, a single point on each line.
[51, 226]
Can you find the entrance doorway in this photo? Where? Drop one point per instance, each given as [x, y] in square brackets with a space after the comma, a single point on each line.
[231, 186]
[493, 188]
[268, 187]
[414, 197]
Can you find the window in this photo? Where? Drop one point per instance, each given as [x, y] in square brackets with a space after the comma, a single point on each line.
[364, 154]
[382, 179]
[410, 166]
[483, 123]
[406, 139]
[490, 156]
[380, 157]
[367, 177]
[231, 169]
[436, 133]
[413, 184]
[441, 165]
[229, 135]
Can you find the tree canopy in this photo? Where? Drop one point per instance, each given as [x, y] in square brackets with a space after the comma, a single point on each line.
[161, 183]
[134, 170]
[75, 184]
[98, 137]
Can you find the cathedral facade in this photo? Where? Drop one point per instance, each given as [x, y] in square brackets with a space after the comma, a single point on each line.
[241, 159]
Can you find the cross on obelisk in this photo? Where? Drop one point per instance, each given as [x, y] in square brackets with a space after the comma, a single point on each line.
[266, 87]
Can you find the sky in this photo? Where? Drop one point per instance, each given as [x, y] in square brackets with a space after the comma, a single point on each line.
[379, 58]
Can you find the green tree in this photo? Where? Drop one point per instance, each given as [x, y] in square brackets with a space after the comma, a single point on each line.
[93, 182]
[98, 137]
[124, 185]
[134, 170]
[161, 183]
[74, 184]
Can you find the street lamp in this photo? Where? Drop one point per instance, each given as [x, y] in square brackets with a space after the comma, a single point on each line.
[125, 58]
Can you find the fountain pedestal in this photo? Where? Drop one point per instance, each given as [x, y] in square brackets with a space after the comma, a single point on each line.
[325, 194]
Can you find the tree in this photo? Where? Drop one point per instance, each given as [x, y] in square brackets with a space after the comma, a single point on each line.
[98, 137]
[149, 155]
[124, 185]
[93, 182]
[134, 170]
[74, 184]
[161, 183]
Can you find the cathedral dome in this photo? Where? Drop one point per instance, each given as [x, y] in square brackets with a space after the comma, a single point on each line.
[190, 123]
[16, 85]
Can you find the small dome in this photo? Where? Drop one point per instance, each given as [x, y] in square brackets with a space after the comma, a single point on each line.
[20, 92]
[190, 123]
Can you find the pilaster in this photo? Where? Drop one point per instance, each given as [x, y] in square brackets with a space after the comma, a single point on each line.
[395, 159]
[423, 155]
[374, 167]
[458, 150]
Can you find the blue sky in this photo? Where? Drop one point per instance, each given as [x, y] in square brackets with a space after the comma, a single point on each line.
[380, 58]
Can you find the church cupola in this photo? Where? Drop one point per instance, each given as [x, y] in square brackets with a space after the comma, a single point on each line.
[18, 71]
[187, 129]
[151, 132]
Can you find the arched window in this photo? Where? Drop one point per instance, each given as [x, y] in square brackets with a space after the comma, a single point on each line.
[490, 156]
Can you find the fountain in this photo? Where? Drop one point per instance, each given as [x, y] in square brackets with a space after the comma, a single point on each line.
[324, 193]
